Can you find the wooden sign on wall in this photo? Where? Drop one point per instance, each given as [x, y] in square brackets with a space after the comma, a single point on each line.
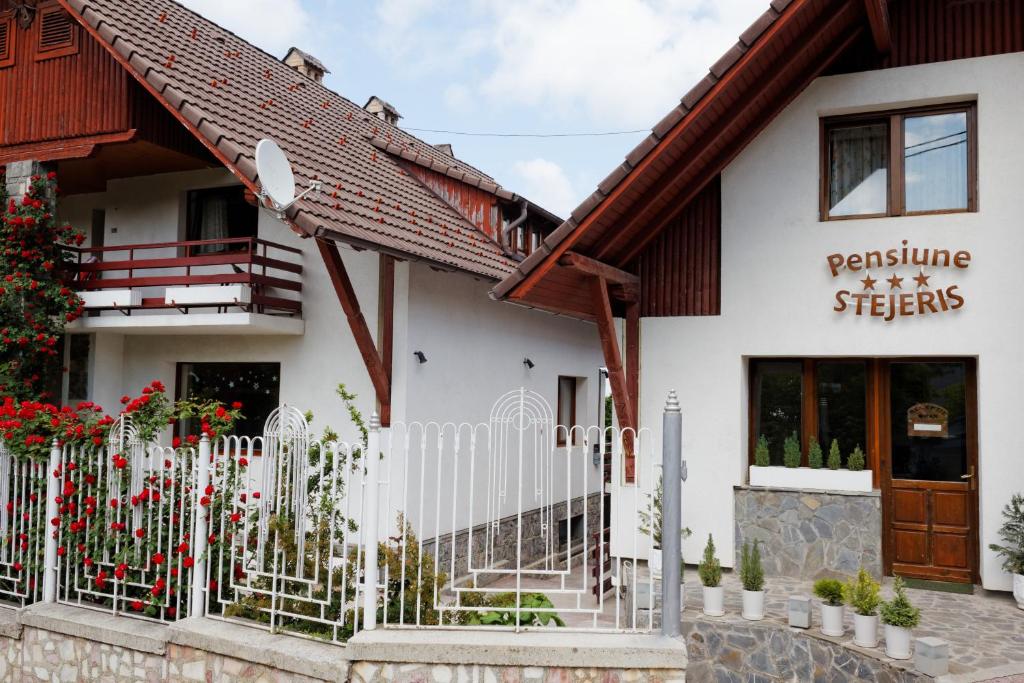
[928, 420]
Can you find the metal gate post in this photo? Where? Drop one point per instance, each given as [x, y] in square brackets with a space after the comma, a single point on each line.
[370, 531]
[53, 490]
[671, 516]
[197, 604]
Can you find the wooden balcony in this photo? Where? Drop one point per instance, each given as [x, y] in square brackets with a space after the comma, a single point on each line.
[243, 285]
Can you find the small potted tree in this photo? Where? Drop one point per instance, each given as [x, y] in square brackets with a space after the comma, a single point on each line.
[650, 525]
[1012, 550]
[710, 571]
[752, 578]
[791, 451]
[899, 617]
[831, 593]
[862, 594]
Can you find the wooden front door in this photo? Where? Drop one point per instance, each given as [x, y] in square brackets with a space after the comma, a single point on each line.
[929, 470]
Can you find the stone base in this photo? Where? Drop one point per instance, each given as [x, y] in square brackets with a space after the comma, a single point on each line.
[811, 534]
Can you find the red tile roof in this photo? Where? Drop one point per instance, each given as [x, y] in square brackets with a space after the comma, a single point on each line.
[232, 94]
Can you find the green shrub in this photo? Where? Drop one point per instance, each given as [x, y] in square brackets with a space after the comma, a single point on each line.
[835, 460]
[830, 591]
[1012, 535]
[791, 451]
[536, 609]
[710, 569]
[815, 458]
[751, 571]
[899, 611]
[862, 594]
[762, 456]
[855, 460]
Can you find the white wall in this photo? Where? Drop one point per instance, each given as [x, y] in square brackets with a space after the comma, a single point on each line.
[475, 349]
[778, 295]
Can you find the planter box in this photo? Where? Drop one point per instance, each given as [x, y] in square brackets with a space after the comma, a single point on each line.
[823, 479]
[111, 298]
[205, 295]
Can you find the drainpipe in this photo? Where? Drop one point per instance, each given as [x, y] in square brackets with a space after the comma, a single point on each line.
[514, 224]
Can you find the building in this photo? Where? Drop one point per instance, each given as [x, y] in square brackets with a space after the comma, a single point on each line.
[779, 261]
[149, 114]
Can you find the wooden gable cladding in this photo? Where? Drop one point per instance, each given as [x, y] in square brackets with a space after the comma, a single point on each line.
[61, 96]
[476, 205]
[680, 270]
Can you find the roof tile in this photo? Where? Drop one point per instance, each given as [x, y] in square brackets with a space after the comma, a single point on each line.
[759, 26]
[641, 150]
[727, 60]
[691, 98]
[323, 134]
[588, 204]
[669, 120]
[615, 177]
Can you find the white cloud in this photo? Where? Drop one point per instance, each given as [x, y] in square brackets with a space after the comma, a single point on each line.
[545, 183]
[458, 97]
[274, 25]
[621, 61]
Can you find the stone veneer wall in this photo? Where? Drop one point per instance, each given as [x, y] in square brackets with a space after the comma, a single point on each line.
[730, 651]
[505, 546]
[811, 534]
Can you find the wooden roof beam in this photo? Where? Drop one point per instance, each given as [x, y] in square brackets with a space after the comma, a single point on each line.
[612, 358]
[878, 19]
[595, 268]
[357, 323]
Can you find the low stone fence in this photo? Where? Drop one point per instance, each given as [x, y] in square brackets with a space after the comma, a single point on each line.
[62, 643]
[811, 534]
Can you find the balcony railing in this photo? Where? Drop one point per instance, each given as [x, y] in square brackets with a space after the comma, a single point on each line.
[252, 274]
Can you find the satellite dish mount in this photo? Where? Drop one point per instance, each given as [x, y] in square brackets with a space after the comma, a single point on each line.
[277, 182]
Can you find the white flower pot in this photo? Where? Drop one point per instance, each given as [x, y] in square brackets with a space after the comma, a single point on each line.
[865, 630]
[753, 605]
[714, 601]
[897, 642]
[1018, 589]
[654, 562]
[832, 620]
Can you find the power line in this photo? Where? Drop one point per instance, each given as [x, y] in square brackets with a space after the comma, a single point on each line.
[528, 135]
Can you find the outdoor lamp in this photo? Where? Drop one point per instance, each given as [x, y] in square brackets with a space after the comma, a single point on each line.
[800, 611]
[528, 363]
[420, 356]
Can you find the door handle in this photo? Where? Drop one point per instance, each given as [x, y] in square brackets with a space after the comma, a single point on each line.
[969, 476]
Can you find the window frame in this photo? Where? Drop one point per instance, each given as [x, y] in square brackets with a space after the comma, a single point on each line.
[895, 187]
[178, 428]
[560, 437]
[809, 403]
[63, 49]
[7, 57]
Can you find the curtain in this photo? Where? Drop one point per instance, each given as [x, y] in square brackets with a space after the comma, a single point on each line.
[858, 170]
[213, 223]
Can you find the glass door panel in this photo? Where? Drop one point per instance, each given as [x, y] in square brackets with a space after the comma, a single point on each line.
[929, 421]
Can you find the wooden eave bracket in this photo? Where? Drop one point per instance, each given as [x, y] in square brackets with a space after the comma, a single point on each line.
[375, 367]
[878, 19]
[612, 358]
[593, 267]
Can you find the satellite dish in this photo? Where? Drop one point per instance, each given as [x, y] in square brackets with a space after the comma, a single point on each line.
[275, 173]
[276, 177]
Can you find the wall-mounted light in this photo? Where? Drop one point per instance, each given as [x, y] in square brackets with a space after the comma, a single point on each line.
[528, 363]
[420, 356]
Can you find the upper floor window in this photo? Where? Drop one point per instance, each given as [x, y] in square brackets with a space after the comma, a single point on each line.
[906, 162]
[217, 215]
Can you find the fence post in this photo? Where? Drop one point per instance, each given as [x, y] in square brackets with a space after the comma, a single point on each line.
[197, 603]
[53, 489]
[370, 531]
[671, 524]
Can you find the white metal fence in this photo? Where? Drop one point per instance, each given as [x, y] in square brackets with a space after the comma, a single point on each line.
[499, 524]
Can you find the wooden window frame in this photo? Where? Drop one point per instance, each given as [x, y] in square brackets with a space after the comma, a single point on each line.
[69, 47]
[873, 405]
[7, 58]
[562, 439]
[895, 190]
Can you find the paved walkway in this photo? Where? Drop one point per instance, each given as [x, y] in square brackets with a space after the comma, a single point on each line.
[985, 631]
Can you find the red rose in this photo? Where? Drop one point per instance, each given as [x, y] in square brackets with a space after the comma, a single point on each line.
[188, 562]
[139, 533]
[137, 605]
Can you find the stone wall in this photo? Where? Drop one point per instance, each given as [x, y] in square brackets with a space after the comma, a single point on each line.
[380, 672]
[534, 539]
[811, 534]
[730, 651]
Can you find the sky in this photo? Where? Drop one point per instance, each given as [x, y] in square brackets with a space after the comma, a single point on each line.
[494, 66]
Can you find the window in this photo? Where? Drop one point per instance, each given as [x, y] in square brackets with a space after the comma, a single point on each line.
[933, 168]
[78, 367]
[6, 40]
[56, 32]
[255, 385]
[219, 214]
[823, 399]
[566, 409]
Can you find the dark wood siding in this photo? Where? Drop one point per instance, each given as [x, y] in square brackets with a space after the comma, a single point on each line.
[61, 97]
[680, 270]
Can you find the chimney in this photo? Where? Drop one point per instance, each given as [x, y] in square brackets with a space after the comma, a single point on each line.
[445, 148]
[382, 110]
[306, 64]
